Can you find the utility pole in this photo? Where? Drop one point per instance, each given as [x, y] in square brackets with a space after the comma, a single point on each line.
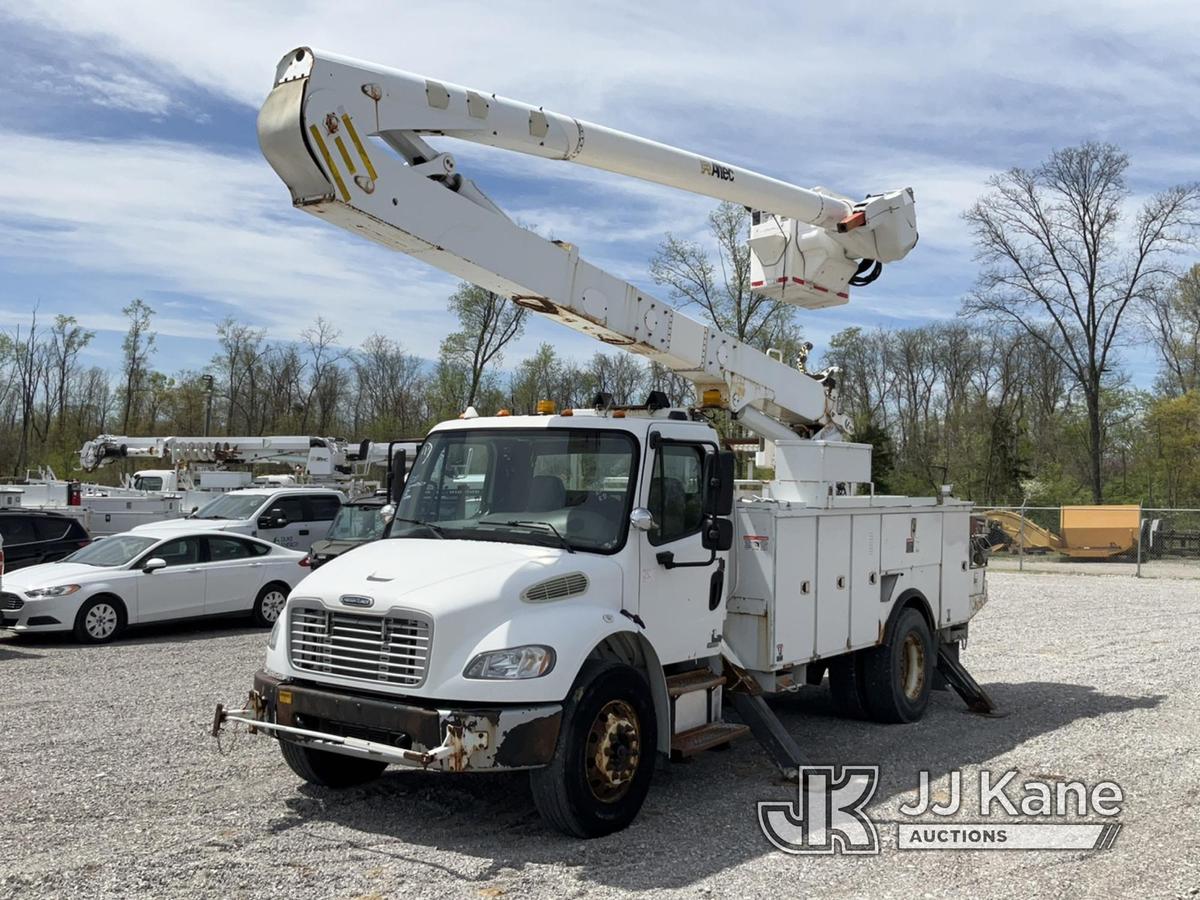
[208, 392]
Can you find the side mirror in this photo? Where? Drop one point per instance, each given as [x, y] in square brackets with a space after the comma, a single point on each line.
[717, 535]
[154, 564]
[641, 519]
[273, 519]
[718, 483]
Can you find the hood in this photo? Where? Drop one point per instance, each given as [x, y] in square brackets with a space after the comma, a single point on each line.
[441, 576]
[334, 546]
[52, 573]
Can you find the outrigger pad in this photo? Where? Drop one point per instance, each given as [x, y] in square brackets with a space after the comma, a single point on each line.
[965, 686]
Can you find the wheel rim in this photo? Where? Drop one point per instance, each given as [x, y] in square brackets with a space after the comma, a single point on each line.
[100, 621]
[613, 751]
[272, 605]
[912, 666]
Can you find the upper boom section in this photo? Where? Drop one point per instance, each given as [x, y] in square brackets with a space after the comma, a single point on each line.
[807, 245]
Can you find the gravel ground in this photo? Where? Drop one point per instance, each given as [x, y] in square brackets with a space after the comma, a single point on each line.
[109, 785]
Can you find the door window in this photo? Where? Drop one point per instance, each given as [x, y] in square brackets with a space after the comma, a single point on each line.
[52, 529]
[291, 507]
[321, 509]
[676, 492]
[17, 530]
[179, 552]
[224, 549]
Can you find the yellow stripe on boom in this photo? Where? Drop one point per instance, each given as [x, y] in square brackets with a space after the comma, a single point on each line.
[341, 145]
[358, 145]
[337, 176]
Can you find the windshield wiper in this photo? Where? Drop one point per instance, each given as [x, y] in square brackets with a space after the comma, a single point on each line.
[436, 529]
[534, 523]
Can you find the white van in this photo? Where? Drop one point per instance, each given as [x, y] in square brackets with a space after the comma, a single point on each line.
[292, 517]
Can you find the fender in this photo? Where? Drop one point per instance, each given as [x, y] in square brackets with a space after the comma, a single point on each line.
[909, 598]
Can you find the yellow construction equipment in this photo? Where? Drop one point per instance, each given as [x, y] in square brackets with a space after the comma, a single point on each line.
[1084, 532]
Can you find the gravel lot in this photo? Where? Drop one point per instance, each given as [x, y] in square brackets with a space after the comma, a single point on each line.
[109, 785]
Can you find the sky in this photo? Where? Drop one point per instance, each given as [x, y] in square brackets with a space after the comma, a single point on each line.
[130, 164]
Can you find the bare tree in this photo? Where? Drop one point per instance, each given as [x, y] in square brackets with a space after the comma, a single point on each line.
[1173, 318]
[487, 323]
[138, 347]
[67, 341]
[721, 289]
[1054, 251]
[324, 358]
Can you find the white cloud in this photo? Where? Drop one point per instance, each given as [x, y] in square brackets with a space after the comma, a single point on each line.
[122, 90]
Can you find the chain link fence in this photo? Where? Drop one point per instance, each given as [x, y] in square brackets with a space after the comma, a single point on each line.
[1095, 540]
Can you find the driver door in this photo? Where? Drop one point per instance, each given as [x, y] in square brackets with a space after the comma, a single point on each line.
[677, 603]
[177, 591]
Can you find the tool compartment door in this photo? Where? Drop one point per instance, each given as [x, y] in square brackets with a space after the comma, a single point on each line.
[833, 584]
[795, 618]
[866, 620]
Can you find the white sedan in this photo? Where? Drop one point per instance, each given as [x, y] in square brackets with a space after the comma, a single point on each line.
[130, 579]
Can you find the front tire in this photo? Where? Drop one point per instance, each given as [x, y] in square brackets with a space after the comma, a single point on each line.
[899, 675]
[601, 770]
[100, 620]
[269, 603]
[331, 770]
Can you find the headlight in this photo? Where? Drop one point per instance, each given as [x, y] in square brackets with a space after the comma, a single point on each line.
[274, 638]
[60, 590]
[531, 661]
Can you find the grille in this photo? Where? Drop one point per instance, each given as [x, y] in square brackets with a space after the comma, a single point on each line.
[10, 601]
[557, 588]
[392, 649]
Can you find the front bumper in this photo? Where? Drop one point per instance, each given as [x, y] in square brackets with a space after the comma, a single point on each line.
[451, 740]
[41, 614]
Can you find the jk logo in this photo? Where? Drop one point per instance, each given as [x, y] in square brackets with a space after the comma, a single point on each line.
[828, 817]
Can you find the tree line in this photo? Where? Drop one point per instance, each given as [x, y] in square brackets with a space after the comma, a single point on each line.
[1022, 398]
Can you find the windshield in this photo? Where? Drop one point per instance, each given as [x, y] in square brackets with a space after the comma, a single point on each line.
[112, 551]
[521, 486]
[147, 482]
[357, 523]
[230, 506]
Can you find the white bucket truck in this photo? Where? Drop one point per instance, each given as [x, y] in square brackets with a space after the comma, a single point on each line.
[576, 593]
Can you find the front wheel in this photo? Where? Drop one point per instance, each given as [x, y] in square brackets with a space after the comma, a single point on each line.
[331, 770]
[99, 620]
[600, 774]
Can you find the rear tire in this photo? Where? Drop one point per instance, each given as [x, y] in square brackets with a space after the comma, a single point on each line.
[100, 620]
[847, 685]
[899, 674]
[331, 770]
[269, 603]
[601, 770]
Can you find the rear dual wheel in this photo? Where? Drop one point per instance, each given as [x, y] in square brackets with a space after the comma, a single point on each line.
[889, 683]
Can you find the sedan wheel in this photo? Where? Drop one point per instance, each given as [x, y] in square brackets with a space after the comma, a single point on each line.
[98, 621]
[269, 605]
